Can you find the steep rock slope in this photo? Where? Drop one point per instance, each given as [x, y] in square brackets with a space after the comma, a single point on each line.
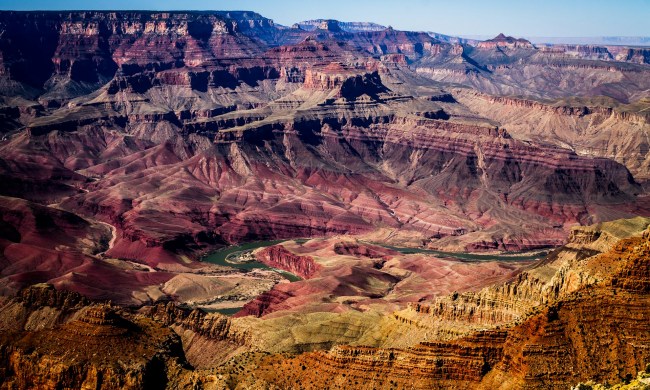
[52, 332]
[602, 325]
[510, 66]
[595, 127]
[96, 346]
[44, 244]
[189, 131]
[344, 136]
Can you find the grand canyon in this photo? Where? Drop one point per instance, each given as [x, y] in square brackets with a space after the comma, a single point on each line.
[211, 200]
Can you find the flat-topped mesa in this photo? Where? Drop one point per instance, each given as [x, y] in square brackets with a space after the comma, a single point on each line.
[351, 82]
[502, 41]
[636, 55]
[92, 23]
[328, 77]
[329, 25]
[319, 24]
[335, 25]
[589, 52]
[211, 325]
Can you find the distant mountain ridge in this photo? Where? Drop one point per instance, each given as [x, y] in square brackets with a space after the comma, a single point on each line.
[622, 41]
[604, 40]
[352, 27]
[473, 40]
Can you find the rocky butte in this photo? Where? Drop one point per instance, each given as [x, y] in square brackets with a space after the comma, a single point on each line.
[454, 213]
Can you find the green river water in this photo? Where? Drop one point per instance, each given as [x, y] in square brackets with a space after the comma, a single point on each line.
[221, 257]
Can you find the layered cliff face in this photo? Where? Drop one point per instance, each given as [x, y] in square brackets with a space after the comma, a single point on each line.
[338, 141]
[593, 311]
[601, 324]
[351, 27]
[577, 264]
[141, 140]
[594, 127]
[88, 346]
[278, 256]
[510, 66]
[579, 51]
[82, 51]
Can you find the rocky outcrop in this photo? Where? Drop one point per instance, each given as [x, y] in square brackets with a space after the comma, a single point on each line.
[575, 338]
[101, 348]
[502, 41]
[264, 304]
[352, 27]
[636, 55]
[430, 364]
[349, 83]
[572, 267]
[363, 250]
[45, 295]
[278, 256]
[213, 326]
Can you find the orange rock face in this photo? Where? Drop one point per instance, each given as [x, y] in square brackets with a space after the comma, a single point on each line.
[594, 333]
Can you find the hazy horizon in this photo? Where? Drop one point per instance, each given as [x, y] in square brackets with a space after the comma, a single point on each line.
[553, 18]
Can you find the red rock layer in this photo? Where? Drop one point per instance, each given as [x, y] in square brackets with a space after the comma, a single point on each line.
[279, 257]
[43, 244]
[370, 251]
[597, 333]
[266, 303]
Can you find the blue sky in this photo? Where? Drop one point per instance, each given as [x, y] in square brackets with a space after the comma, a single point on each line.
[458, 17]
